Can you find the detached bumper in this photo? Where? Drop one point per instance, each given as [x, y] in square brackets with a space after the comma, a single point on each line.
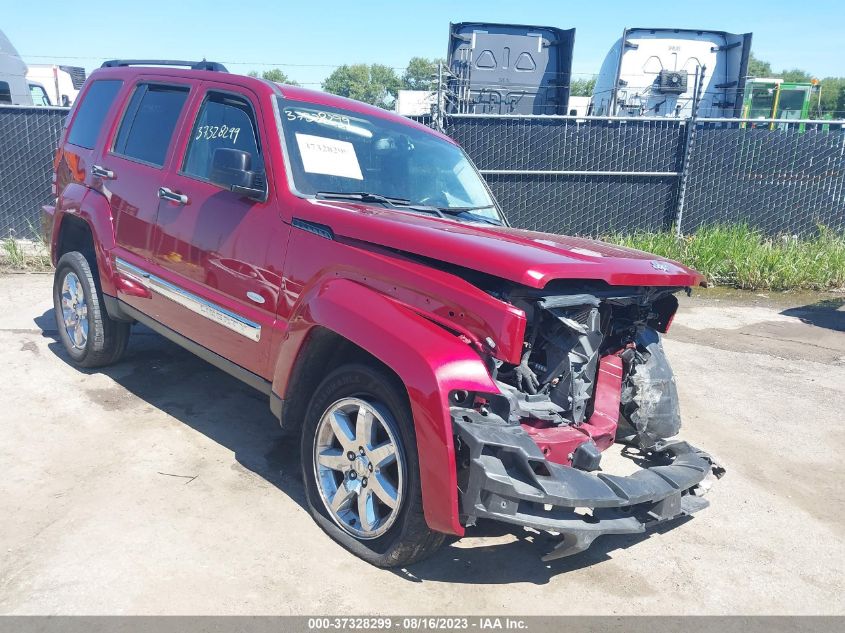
[504, 476]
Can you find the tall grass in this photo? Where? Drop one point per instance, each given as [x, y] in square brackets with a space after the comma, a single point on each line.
[25, 255]
[742, 257]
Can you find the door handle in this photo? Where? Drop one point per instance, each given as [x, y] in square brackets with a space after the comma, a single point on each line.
[102, 172]
[167, 194]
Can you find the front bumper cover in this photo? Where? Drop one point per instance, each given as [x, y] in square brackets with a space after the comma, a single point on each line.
[504, 476]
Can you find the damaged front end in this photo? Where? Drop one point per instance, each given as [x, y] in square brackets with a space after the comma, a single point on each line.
[593, 372]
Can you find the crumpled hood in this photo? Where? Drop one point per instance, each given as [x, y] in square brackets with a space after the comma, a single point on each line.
[529, 258]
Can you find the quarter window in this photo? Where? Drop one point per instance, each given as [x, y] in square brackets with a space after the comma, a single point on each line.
[227, 121]
[149, 122]
[92, 112]
[5, 92]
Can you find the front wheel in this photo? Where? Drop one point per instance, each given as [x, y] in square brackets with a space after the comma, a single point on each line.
[91, 338]
[359, 463]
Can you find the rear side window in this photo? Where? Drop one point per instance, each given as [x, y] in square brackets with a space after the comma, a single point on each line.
[149, 122]
[224, 120]
[5, 92]
[92, 112]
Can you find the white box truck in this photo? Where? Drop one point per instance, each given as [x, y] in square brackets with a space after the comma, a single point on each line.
[61, 83]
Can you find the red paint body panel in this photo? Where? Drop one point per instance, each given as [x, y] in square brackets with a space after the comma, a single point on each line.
[525, 257]
[370, 284]
[221, 246]
[559, 442]
[602, 424]
[435, 294]
[430, 361]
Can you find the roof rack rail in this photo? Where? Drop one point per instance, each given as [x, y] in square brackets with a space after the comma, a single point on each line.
[201, 65]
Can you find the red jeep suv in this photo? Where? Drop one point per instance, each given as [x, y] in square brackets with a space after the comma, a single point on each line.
[436, 365]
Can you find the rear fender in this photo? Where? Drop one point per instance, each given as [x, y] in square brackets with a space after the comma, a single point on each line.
[94, 209]
[430, 361]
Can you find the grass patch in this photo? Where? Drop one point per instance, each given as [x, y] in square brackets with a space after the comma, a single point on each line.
[31, 255]
[742, 257]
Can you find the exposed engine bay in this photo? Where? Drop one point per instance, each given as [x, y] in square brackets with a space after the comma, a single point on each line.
[592, 372]
[568, 334]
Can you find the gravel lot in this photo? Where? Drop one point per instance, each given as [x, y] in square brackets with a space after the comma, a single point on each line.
[161, 485]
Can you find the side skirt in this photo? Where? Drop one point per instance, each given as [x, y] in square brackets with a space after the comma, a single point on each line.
[119, 310]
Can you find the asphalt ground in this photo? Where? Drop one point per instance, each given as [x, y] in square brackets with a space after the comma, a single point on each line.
[163, 486]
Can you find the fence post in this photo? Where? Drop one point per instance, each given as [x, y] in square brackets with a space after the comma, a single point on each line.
[437, 110]
[690, 140]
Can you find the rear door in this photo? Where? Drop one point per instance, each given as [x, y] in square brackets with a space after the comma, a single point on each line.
[133, 164]
[221, 251]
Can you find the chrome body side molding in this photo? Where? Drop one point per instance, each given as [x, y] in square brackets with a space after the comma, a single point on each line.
[189, 300]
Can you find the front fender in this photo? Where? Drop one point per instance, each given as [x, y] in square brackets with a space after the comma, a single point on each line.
[430, 361]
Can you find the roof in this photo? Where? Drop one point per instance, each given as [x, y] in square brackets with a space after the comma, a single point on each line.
[265, 88]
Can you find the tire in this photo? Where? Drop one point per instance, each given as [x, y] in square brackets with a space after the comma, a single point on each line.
[399, 536]
[98, 340]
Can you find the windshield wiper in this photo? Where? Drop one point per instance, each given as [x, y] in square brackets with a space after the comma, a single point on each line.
[459, 211]
[366, 196]
[363, 196]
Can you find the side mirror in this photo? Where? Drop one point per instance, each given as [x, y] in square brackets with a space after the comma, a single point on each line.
[231, 169]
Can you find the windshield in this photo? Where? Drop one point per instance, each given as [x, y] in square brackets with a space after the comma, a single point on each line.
[337, 152]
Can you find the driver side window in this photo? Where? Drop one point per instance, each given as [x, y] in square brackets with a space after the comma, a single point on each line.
[224, 120]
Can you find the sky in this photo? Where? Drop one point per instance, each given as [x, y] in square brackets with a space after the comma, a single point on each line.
[308, 39]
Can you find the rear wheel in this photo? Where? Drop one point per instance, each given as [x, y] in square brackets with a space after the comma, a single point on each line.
[90, 337]
[359, 463]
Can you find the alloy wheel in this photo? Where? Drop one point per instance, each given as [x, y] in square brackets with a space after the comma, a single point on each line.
[74, 311]
[359, 466]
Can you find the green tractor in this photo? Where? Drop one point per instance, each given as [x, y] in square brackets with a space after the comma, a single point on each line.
[777, 99]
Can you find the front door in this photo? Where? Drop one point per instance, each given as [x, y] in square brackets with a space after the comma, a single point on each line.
[224, 251]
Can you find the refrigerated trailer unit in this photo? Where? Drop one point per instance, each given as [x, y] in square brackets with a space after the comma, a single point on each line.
[654, 72]
[508, 68]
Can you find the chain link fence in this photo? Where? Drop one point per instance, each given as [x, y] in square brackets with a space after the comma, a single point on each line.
[600, 175]
[28, 140]
[577, 176]
[570, 175]
[786, 180]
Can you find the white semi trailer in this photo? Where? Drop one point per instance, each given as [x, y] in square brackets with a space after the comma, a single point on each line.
[655, 72]
[14, 89]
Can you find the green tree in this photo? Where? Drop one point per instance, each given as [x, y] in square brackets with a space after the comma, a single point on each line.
[582, 87]
[274, 74]
[758, 67]
[376, 84]
[421, 74]
[830, 98]
[795, 75]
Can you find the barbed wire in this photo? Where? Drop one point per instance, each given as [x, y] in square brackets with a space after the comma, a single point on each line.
[276, 64]
[512, 86]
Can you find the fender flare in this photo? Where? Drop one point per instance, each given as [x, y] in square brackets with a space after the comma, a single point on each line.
[430, 361]
[93, 208]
